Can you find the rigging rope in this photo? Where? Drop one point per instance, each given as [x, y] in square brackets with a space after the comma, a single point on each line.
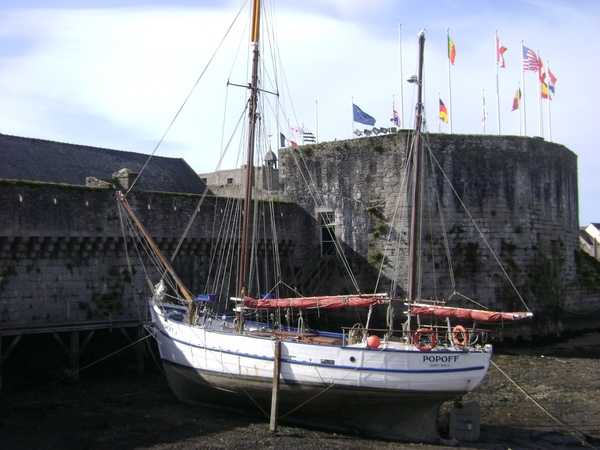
[401, 218]
[313, 193]
[94, 362]
[185, 101]
[332, 384]
[569, 428]
[477, 228]
[443, 222]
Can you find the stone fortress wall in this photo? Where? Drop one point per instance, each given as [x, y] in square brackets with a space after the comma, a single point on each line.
[63, 255]
[520, 192]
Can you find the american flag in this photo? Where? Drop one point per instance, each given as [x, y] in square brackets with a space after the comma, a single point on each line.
[530, 61]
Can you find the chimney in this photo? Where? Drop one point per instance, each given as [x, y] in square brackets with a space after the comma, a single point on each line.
[125, 178]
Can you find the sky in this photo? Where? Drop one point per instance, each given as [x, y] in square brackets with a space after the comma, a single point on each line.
[115, 73]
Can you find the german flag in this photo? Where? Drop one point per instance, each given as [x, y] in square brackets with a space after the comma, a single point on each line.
[443, 112]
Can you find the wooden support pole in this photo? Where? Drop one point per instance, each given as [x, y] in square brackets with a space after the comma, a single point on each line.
[275, 394]
[72, 352]
[66, 350]
[74, 355]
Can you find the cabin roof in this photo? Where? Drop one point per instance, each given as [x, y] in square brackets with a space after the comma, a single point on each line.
[32, 159]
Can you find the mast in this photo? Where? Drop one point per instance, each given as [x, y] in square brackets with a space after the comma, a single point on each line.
[186, 293]
[252, 116]
[401, 80]
[415, 213]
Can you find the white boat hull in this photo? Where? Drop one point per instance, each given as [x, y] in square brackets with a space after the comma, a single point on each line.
[393, 392]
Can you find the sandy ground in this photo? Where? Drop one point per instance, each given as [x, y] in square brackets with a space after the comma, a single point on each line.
[541, 398]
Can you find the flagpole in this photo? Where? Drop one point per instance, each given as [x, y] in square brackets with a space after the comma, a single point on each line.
[401, 87]
[519, 108]
[439, 118]
[549, 100]
[393, 109]
[317, 120]
[497, 84]
[352, 109]
[483, 109]
[523, 93]
[449, 85]
[539, 83]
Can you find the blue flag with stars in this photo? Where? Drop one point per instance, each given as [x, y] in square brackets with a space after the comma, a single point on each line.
[362, 117]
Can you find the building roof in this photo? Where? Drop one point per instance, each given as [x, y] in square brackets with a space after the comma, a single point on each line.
[56, 162]
[585, 237]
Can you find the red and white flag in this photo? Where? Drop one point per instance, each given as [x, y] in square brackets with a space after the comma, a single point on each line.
[500, 49]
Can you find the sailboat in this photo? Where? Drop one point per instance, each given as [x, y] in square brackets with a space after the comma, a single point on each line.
[383, 382]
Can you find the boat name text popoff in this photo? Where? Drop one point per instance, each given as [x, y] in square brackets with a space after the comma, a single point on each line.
[440, 358]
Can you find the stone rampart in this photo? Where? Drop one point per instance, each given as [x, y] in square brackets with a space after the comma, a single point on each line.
[64, 257]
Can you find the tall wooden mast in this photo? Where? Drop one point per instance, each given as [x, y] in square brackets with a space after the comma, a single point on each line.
[413, 286]
[243, 280]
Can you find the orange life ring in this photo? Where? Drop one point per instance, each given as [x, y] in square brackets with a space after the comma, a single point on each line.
[417, 339]
[460, 336]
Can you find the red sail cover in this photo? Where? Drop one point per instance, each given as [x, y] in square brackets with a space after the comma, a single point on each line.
[329, 302]
[470, 314]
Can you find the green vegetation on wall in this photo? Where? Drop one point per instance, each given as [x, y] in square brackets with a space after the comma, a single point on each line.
[588, 272]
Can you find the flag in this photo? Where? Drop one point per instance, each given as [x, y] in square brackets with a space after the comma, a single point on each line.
[541, 73]
[285, 142]
[362, 117]
[544, 89]
[295, 132]
[516, 100]
[500, 49]
[308, 137]
[530, 60]
[395, 117]
[451, 50]
[551, 81]
[443, 112]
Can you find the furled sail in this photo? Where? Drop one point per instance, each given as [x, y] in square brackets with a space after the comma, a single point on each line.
[465, 313]
[326, 302]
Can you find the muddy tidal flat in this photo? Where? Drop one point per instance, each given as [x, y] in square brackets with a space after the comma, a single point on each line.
[533, 398]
